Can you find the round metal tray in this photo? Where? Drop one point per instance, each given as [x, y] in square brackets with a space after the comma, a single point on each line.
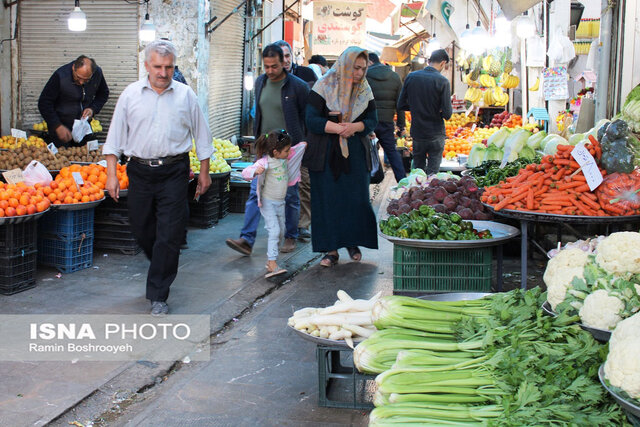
[501, 233]
[122, 193]
[455, 296]
[22, 218]
[544, 217]
[232, 159]
[213, 175]
[84, 163]
[630, 407]
[77, 206]
[599, 334]
[322, 341]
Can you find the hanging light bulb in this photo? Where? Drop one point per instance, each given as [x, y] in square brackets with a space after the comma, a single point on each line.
[147, 30]
[525, 26]
[248, 81]
[77, 20]
[434, 44]
[480, 39]
[503, 32]
[466, 39]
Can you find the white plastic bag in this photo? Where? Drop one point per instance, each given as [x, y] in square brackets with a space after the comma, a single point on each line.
[81, 128]
[36, 173]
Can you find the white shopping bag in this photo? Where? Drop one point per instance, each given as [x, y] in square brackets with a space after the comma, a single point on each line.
[36, 173]
[81, 128]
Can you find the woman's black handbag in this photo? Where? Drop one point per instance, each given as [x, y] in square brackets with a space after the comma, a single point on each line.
[377, 173]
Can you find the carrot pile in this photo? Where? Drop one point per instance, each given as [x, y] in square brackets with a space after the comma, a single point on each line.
[555, 186]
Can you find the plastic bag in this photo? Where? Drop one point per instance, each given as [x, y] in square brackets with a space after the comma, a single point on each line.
[619, 193]
[36, 173]
[377, 174]
[81, 128]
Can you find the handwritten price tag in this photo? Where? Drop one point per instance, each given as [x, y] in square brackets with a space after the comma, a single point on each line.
[13, 176]
[17, 133]
[466, 113]
[103, 163]
[77, 178]
[92, 145]
[588, 165]
[52, 148]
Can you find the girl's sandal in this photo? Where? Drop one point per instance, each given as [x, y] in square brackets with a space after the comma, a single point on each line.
[355, 253]
[329, 260]
[277, 272]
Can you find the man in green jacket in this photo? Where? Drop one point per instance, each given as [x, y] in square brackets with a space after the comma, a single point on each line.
[386, 86]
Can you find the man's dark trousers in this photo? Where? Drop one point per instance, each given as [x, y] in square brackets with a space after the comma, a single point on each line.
[432, 145]
[384, 132]
[157, 199]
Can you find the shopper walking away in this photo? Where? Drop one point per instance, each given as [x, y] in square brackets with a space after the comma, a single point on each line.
[277, 168]
[281, 98]
[318, 64]
[340, 115]
[76, 90]
[153, 124]
[386, 86]
[427, 94]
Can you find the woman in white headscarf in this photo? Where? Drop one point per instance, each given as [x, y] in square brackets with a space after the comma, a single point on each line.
[340, 115]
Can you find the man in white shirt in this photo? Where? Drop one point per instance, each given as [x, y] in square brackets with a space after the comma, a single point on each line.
[153, 124]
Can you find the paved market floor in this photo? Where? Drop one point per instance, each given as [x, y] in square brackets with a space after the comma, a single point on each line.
[260, 373]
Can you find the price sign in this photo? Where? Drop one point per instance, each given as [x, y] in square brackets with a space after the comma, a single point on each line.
[52, 148]
[13, 176]
[466, 113]
[473, 128]
[77, 178]
[17, 133]
[92, 145]
[588, 165]
[103, 163]
[507, 153]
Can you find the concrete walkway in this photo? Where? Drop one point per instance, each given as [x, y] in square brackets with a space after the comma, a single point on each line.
[212, 279]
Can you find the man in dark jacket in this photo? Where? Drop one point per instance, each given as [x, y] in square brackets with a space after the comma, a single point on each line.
[300, 71]
[75, 90]
[427, 94]
[386, 86]
[281, 99]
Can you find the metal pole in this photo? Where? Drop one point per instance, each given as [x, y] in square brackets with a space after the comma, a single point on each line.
[602, 83]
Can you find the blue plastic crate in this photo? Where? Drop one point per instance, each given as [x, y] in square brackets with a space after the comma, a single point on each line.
[67, 224]
[67, 255]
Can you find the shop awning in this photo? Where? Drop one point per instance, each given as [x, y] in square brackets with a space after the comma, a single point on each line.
[404, 50]
[513, 8]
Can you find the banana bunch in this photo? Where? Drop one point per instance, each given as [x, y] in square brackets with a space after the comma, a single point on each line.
[466, 78]
[486, 63]
[473, 95]
[495, 96]
[509, 81]
[535, 86]
[487, 81]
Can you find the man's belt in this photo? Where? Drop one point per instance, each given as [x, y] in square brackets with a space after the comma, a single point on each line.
[161, 161]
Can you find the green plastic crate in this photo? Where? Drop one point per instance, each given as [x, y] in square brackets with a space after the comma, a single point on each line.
[423, 270]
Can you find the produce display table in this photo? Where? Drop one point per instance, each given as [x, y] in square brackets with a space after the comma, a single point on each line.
[447, 259]
[452, 166]
[525, 218]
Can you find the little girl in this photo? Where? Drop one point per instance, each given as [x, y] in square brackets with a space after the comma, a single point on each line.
[278, 167]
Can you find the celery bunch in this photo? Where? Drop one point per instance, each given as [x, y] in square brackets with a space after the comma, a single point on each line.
[494, 361]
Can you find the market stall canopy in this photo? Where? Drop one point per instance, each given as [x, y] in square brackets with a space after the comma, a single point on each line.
[513, 8]
[404, 50]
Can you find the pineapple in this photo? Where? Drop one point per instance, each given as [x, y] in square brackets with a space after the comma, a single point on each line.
[508, 65]
[495, 69]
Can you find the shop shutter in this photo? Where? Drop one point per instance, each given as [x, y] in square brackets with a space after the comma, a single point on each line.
[226, 59]
[111, 38]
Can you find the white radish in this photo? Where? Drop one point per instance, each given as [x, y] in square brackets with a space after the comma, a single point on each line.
[332, 328]
[324, 333]
[343, 296]
[353, 306]
[349, 342]
[302, 324]
[340, 335]
[315, 333]
[374, 298]
[305, 312]
[358, 330]
[363, 318]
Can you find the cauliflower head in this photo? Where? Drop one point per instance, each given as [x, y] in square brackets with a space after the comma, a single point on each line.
[561, 269]
[620, 253]
[601, 310]
[622, 367]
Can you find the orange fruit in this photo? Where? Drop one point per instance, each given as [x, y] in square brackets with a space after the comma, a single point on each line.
[4, 204]
[24, 200]
[13, 202]
[85, 199]
[31, 209]
[68, 200]
[1, 212]
[53, 185]
[10, 211]
[21, 210]
[52, 197]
